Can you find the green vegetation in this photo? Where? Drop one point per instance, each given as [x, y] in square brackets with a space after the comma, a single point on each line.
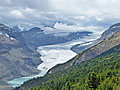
[100, 73]
[93, 80]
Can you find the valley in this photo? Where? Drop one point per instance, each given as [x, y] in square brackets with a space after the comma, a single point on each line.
[52, 55]
[99, 61]
[59, 45]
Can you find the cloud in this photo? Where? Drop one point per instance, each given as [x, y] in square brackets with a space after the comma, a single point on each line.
[85, 13]
[66, 27]
[17, 14]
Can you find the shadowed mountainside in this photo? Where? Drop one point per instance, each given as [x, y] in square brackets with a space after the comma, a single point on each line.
[16, 58]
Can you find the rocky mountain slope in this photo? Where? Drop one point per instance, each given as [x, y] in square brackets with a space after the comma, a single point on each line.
[92, 52]
[16, 59]
[81, 47]
[48, 36]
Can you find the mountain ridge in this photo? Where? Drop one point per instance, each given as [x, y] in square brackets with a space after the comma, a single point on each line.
[16, 58]
[111, 30]
[39, 37]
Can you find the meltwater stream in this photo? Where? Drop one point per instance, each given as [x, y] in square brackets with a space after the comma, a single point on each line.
[51, 55]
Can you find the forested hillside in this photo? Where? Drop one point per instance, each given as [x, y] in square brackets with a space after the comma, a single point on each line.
[100, 73]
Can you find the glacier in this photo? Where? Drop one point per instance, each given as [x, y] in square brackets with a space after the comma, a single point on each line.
[52, 55]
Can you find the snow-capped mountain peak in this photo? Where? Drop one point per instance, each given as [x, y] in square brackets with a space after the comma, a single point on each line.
[19, 28]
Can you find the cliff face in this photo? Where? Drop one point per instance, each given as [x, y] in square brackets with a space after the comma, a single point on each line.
[92, 52]
[16, 59]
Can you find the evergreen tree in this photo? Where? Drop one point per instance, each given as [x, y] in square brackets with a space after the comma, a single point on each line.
[93, 80]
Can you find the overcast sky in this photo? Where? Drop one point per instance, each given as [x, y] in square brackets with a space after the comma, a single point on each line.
[71, 12]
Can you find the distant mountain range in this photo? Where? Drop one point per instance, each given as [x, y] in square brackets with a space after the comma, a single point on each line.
[48, 36]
